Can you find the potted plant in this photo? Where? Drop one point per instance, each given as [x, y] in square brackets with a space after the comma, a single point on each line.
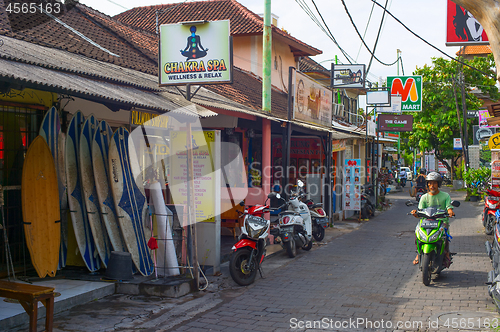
[476, 180]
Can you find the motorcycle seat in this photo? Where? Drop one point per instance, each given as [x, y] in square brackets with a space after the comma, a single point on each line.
[317, 205]
[289, 213]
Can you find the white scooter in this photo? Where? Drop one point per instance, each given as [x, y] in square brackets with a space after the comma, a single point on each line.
[295, 226]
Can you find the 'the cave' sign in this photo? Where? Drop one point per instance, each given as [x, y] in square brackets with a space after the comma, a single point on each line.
[388, 122]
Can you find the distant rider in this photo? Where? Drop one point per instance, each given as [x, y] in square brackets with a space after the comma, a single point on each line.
[402, 177]
[421, 179]
[436, 198]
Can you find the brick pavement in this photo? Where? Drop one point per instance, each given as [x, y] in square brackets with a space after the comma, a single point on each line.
[367, 275]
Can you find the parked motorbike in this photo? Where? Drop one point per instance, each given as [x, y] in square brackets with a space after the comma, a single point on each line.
[491, 205]
[431, 240]
[493, 251]
[367, 207]
[319, 219]
[295, 225]
[250, 250]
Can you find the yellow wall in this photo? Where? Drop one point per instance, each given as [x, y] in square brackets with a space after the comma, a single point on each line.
[247, 55]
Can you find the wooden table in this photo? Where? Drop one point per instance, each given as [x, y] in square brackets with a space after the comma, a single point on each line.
[28, 296]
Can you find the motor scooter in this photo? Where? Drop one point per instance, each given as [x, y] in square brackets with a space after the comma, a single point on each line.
[493, 251]
[431, 241]
[491, 205]
[419, 193]
[367, 207]
[318, 217]
[295, 225]
[250, 250]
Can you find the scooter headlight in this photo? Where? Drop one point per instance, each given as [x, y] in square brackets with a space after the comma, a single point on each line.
[435, 236]
[492, 205]
[255, 226]
[421, 234]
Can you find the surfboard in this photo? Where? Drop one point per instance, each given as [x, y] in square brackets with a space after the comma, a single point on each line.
[50, 130]
[76, 203]
[97, 227]
[100, 150]
[130, 202]
[40, 206]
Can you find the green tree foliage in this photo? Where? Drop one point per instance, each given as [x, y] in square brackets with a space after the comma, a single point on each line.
[437, 124]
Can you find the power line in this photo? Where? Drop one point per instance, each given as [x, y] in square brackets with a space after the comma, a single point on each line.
[425, 41]
[378, 35]
[366, 29]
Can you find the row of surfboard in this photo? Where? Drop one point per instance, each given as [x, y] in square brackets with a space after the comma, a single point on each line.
[89, 172]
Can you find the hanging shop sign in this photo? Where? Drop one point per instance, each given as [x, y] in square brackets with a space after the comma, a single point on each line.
[352, 184]
[457, 143]
[397, 123]
[494, 142]
[139, 118]
[484, 115]
[482, 134]
[348, 76]
[394, 108]
[313, 102]
[195, 53]
[338, 145]
[462, 28]
[379, 97]
[410, 90]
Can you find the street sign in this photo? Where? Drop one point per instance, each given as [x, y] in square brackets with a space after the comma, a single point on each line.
[457, 144]
[410, 89]
[389, 122]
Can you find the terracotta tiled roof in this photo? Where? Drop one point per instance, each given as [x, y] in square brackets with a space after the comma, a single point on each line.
[247, 90]
[475, 50]
[242, 20]
[107, 40]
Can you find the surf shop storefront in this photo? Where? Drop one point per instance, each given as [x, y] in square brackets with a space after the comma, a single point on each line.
[21, 113]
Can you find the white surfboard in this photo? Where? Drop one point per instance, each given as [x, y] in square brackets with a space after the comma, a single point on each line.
[100, 150]
[97, 226]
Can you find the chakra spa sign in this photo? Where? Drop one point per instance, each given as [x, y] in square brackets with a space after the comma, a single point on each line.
[195, 53]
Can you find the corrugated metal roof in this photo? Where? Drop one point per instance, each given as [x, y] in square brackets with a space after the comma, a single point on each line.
[59, 82]
[22, 51]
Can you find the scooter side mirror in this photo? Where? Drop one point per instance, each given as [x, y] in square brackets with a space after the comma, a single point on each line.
[242, 203]
[273, 195]
[300, 183]
[455, 203]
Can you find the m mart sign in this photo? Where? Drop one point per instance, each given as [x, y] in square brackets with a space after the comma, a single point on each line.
[410, 90]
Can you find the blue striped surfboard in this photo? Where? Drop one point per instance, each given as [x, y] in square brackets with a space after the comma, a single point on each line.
[96, 223]
[50, 130]
[100, 150]
[76, 202]
[130, 202]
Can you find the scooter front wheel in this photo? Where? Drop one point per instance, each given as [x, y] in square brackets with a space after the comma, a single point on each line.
[426, 269]
[308, 246]
[242, 271]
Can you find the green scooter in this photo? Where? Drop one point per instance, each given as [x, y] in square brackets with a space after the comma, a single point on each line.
[431, 240]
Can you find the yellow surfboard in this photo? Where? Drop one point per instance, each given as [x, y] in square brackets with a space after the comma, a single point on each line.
[41, 212]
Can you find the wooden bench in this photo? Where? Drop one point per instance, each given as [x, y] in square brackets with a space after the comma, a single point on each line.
[28, 296]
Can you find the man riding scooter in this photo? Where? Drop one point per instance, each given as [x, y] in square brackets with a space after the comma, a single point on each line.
[402, 177]
[436, 198]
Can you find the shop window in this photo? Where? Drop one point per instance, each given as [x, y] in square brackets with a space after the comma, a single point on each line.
[18, 127]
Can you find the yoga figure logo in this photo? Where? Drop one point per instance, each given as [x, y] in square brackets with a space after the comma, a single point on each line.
[194, 49]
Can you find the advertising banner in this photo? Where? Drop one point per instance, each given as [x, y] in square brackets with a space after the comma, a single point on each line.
[203, 169]
[494, 142]
[495, 174]
[484, 115]
[196, 53]
[394, 108]
[313, 102]
[410, 90]
[462, 28]
[457, 144]
[352, 184]
[482, 134]
[388, 122]
[348, 76]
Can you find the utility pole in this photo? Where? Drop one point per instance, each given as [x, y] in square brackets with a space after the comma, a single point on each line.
[266, 58]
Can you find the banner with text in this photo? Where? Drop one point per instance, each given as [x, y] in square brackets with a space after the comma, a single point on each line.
[410, 90]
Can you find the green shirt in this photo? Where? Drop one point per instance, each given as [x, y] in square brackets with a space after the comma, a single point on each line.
[441, 200]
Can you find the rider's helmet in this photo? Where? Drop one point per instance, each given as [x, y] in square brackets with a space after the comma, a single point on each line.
[434, 176]
[423, 171]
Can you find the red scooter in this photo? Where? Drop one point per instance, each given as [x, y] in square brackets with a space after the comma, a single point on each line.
[250, 250]
[491, 205]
